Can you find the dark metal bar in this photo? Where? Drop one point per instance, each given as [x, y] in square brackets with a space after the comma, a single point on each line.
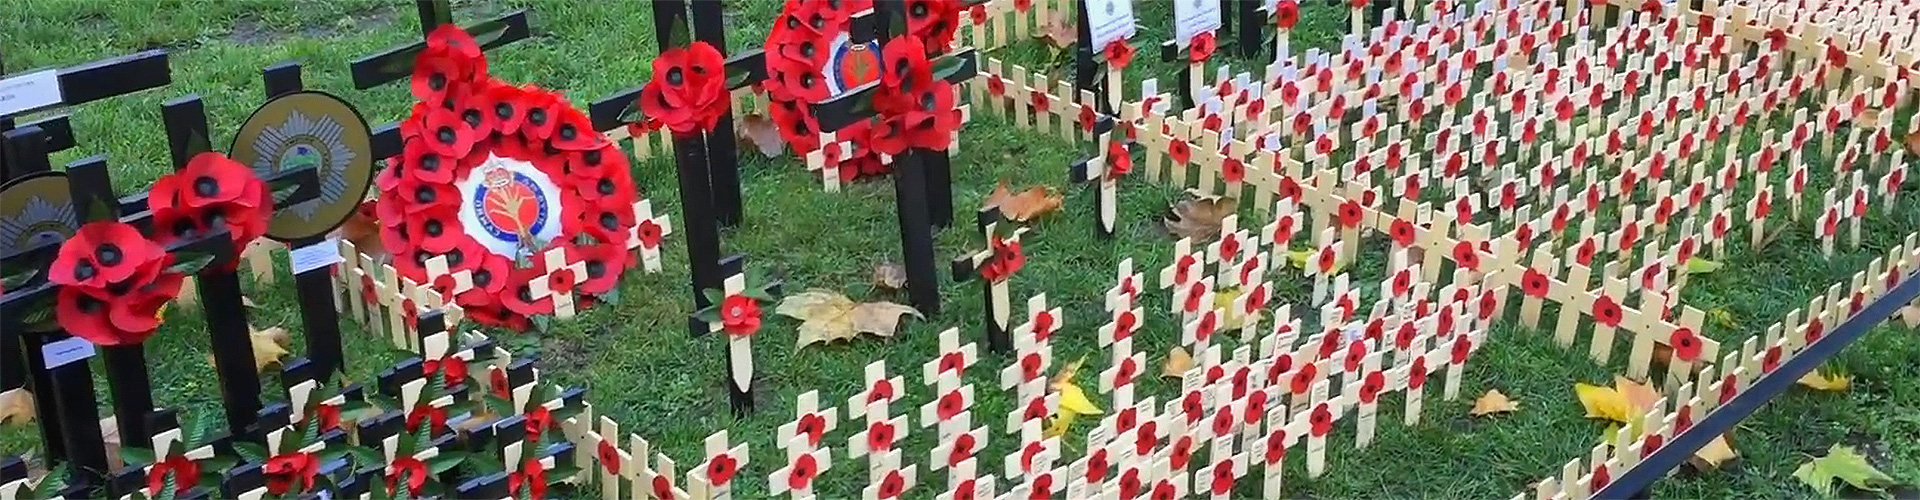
[1722, 419]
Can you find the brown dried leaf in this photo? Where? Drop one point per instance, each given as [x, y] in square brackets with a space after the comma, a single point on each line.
[1178, 362]
[761, 132]
[1059, 31]
[1912, 142]
[16, 406]
[881, 318]
[1025, 205]
[1494, 402]
[827, 316]
[889, 276]
[1199, 217]
[269, 346]
[362, 229]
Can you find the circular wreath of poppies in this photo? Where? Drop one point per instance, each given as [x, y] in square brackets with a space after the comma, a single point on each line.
[463, 119]
[797, 47]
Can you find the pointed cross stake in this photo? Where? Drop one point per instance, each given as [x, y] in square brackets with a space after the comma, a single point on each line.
[910, 179]
[892, 480]
[963, 483]
[878, 438]
[959, 443]
[802, 467]
[993, 267]
[659, 479]
[954, 359]
[1033, 359]
[647, 232]
[739, 346]
[1106, 198]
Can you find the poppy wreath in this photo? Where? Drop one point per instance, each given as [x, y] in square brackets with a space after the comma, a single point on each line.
[916, 110]
[114, 283]
[494, 175]
[799, 51]
[212, 190]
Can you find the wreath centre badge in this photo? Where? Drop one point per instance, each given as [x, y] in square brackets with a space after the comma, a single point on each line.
[508, 207]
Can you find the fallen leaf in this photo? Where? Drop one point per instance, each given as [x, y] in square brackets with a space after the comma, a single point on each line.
[1025, 205]
[1913, 143]
[761, 132]
[1073, 400]
[1199, 217]
[1178, 362]
[1640, 397]
[16, 406]
[1300, 259]
[1846, 465]
[1826, 380]
[889, 276]
[1232, 319]
[1721, 317]
[363, 230]
[827, 316]
[269, 346]
[1714, 454]
[1494, 402]
[1698, 265]
[1623, 403]
[1059, 30]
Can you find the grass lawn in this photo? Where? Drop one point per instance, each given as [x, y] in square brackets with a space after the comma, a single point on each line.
[643, 371]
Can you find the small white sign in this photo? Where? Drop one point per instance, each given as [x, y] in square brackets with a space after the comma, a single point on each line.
[1193, 17]
[1110, 20]
[68, 350]
[30, 91]
[315, 256]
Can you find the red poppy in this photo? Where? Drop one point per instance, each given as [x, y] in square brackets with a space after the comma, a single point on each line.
[1040, 101]
[933, 21]
[721, 468]
[1146, 437]
[518, 297]
[1371, 386]
[185, 474]
[1461, 349]
[530, 479]
[1320, 421]
[125, 311]
[1606, 311]
[1350, 213]
[292, 472]
[740, 315]
[1601, 478]
[1465, 255]
[961, 450]
[1770, 360]
[1233, 170]
[452, 369]
[609, 456]
[412, 469]
[688, 92]
[428, 414]
[1417, 374]
[1200, 47]
[1181, 453]
[1119, 161]
[212, 188]
[1119, 53]
[1286, 13]
[1304, 378]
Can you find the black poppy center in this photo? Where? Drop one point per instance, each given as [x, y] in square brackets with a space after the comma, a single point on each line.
[596, 268]
[525, 293]
[108, 255]
[503, 110]
[806, 80]
[793, 22]
[927, 102]
[425, 194]
[818, 21]
[482, 277]
[421, 257]
[676, 76]
[446, 135]
[90, 305]
[84, 271]
[182, 227]
[205, 186]
[430, 163]
[433, 227]
[437, 81]
[537, 117]
[567, 132]
[919, 10]
[605, 186]
[454, 257]
[806, 49]
[609, 221]
[472, 117]
[591, 157]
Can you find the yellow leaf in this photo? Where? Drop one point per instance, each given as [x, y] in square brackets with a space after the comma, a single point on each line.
[1178, 362]
[1025, 205]
[1826, 381]
[269, 346]
[1303, 258]
[16, 406]
[1714, 454]
[1073, 400]
[1494, 402]
[1640, 397]
[827, 316]
[1059, 424]
[1720, 317]
[1602, 402]
[1698, 265]
[1845, 464]
[1232, 319]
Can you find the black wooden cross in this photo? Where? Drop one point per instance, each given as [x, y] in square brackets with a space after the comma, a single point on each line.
[396, 64]
[84, 83]
[998, 303]
[64, 387]
[739, 385]
[909, 178]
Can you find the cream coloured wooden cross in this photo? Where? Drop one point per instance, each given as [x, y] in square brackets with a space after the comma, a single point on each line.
[614, 465]
[1322, 267]
[739, 347]
[1125, 293]
[968, 485]
[1125, 321]
[951, 403]
[828, 166]
[811, 423]
[893, 480]
[650, 224]
[1281, 434]
[1087, 474]
[1032, 360]
[1117, 380]
[1328, 409]
[1186, 269]
[1041, 321]
[1197, 334]
[959, 443]
[1366, 389]
[569, 274]
[954, 359]
[454, 282]
[878, 438]
[878, 390]
[1227, 251]
[1194, 299]
[1228, 466]
[1255, 293]
[1036, 405]
[1035, 456]
[721, 456]
[803, 465]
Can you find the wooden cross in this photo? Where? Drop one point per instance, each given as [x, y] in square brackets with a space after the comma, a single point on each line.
[646, 234]
[1119, 376]
[1185, 269]
[566, 274]
[826, 160]
[1254, 296]
[1032, 360]
[1091, 471]
[956, 450]
[722, 462]
[952, 403]
[1227, 468]
[1198, 332]
[1036, 454]
[739, 346]
[954, 359]
[796, 479]
[811, 423]
[1041, 321]
[1125, 293]
[968, 484]
[1281, 435]
[659, 480]
[880, 391]
[893, 480]
[1099, 168]
[1036, 404]
[1003, 256]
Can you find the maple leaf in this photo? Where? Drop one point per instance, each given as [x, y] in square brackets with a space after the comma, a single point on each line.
[1623, 403]
[1494, 402]
[1199, 217]
[1073, 400]
[16, 406]
[826, 316]
[1846, 465]
[1025, 205]
[889, 276]
[1828, 378]
[761, 132]
[1714, 454]
[269, 345]
[1178, 362]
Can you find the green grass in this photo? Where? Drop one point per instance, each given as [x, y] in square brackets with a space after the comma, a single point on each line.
[642, 370]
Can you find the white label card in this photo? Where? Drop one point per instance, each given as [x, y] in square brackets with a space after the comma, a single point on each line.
[1110, 20]
[1193, 17]
[30, 91]
[68, 350]
[316, 256]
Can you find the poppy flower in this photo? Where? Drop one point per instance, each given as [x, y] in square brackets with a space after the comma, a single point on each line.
[451, 369]
[1200, 47]
[531, 480]
[185, 474]
[1118, 53]
[1223, 420]
[125, 314]
[1320, 421]
[1119, 161]
[1417, 374]
[1606, 311]
[1181, 453]
[1008, 255]
[688, 92]
[882, 390]
[721, 468]
[107, 254]
[1233, 170]
[933, 21]
[961, 450]
[1146, 437]
[290, 472]
[740, 315]
[1286, 13]
[411, 469]
[1350, 213]
[663, 487]
[813, 427]
[1465, 255]
[905, 67]
[1304, 378]
[1022, 5]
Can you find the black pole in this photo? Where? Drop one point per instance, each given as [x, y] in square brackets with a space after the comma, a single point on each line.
[696, 214]
[723, 158]
[126, 365]
[220, 294]
[433, 13]
[1252, 39]
[318, 317]
[916, 234]
[68, 390]
[1086, 70]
